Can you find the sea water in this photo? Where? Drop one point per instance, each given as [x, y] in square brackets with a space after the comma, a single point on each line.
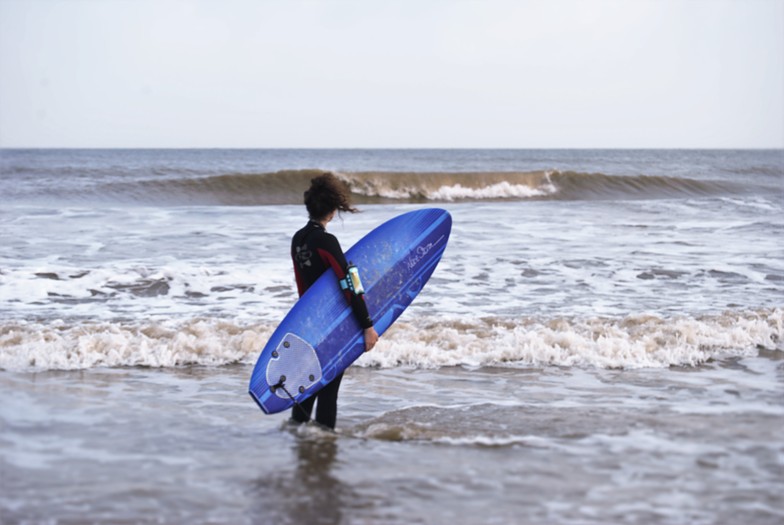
[602, 341]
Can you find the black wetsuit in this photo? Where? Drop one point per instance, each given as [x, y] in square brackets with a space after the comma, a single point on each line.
[313, 251]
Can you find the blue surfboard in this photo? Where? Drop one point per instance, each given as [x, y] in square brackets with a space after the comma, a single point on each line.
[320, 337]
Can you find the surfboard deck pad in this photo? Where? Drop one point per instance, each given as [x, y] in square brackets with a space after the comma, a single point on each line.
[294, 365]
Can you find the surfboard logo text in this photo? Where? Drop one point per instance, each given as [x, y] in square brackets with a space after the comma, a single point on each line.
[421, 251]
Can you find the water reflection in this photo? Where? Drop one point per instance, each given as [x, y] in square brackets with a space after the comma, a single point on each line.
[309, 492]
[324, 493]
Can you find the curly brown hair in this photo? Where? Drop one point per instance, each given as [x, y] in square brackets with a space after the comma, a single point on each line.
[326, 194]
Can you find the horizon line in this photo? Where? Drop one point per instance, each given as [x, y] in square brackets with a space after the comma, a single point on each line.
[402, 148]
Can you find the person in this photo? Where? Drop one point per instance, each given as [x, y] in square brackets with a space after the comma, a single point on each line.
[313, 251]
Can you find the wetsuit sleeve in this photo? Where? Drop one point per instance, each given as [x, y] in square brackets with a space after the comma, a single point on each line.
[332, 255]
[298, 277]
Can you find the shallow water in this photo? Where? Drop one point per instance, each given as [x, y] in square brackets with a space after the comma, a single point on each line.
[454, 445]
[649, 283]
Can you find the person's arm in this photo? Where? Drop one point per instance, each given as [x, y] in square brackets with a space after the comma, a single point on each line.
[371, 338]
[332, 254]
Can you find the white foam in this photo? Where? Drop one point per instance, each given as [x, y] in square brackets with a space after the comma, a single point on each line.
[639, 341]
[502, 190]
[166, 288]
[414, 432]
[56, 346]
[449, 192]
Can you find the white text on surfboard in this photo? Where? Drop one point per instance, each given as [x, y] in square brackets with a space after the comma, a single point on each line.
[420, 252]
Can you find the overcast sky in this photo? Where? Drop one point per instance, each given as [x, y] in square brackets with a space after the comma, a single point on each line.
[410, 73]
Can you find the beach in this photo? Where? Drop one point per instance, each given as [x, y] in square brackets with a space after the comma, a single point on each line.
[601, 343]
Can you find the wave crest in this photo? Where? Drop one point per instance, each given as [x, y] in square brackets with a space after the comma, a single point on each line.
[287, 187]
[419, 186]
[636, 341]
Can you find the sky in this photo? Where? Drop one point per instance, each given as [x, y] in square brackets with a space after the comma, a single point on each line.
[392, 74]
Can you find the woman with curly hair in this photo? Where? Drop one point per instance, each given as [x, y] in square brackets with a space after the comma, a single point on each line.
[313, 251]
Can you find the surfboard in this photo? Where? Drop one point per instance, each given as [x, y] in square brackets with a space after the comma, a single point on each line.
[320, 336]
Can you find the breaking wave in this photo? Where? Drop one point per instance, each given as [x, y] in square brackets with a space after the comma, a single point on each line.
[287, 186]
[634, 341]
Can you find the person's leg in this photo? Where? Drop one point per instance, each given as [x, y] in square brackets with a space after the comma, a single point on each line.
[301, 413]
[327, 408]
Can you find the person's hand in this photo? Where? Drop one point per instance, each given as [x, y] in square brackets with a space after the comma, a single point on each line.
[371, 338]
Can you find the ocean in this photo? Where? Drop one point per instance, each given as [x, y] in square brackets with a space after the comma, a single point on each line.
[602, 341]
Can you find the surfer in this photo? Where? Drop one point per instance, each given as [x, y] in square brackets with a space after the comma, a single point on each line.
[313, 251]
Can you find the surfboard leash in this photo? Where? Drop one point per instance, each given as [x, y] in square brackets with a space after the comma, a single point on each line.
[282, 384]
